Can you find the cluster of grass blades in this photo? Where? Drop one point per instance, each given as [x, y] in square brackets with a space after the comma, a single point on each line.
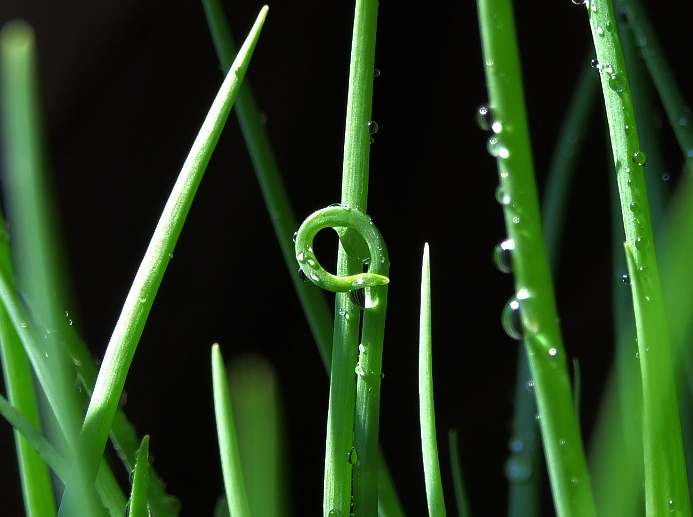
[640, 436]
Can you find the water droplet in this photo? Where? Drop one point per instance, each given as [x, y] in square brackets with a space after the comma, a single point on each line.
[502, 255]
[492, 146]
[628, 130]
[294, 237]
[335, 513]
[345, 207]
[123, 399]
[313, 276]
[609, 26]
[371, 140]
[639, 158]
[518, 469]
[561, 441]
[376, 73]
[372, 127]
[501, 196]
[303, 276]
[484, 118]
[573, 479]
[595, 64]
[352, 457]
[516, 219]
[23, 324]
[530, 386]
[142, 299]
[666, 176]
[511, 319]
[382, 375]
[600, 31]
[637, 355]
[626, 279]
[358, 298]
[579, 2]
[358, 370]
[553, 352]
[634, 207]
[617, 82]
[642, 243]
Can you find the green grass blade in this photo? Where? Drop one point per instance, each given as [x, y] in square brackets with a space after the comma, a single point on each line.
[457, 478]
[535, 299]
[123, 343]
[228, 444]
[666, 484]
[429, 444]
[140, 480]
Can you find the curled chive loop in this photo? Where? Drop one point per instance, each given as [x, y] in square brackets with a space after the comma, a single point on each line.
[339, 217]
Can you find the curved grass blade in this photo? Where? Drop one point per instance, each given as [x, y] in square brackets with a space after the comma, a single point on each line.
[666, 483]
[123, 343]
[140, 480]
[228, 444]
[429, 444]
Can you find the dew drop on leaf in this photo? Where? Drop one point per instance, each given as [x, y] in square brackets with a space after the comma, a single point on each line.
[376, 73]
[502, 255]
[626, 279]
[484, 118]
[352, 457]
[595, 64]
[502, 196]
[579, 2]
[617, 82]
[511, 319]
[372, 127]
[639, 158]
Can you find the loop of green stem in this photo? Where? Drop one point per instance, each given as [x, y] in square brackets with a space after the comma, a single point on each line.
[342, 216]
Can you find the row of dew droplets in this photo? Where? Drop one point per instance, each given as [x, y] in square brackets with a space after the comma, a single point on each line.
[502, 253]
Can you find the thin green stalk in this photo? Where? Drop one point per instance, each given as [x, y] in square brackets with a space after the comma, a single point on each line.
[234, 485]
[312, 301]
[666, 483]
[534, 292]
[429, 443]
[123, 343]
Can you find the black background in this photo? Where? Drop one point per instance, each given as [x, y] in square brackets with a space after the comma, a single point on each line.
[125, 86]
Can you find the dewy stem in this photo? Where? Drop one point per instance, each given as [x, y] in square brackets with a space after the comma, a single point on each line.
[342, 424]
[547, 358]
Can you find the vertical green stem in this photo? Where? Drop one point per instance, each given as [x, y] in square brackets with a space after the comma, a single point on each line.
[346, 332]
[666, 484]
[547, 358]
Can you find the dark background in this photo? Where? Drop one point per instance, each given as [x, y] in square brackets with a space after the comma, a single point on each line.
[125, 87]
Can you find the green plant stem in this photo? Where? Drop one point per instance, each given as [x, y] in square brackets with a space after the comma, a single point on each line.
[355, 195]
[429, 443]
[547, 358]
[457, 478]
[666, 484]
[123, 343]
